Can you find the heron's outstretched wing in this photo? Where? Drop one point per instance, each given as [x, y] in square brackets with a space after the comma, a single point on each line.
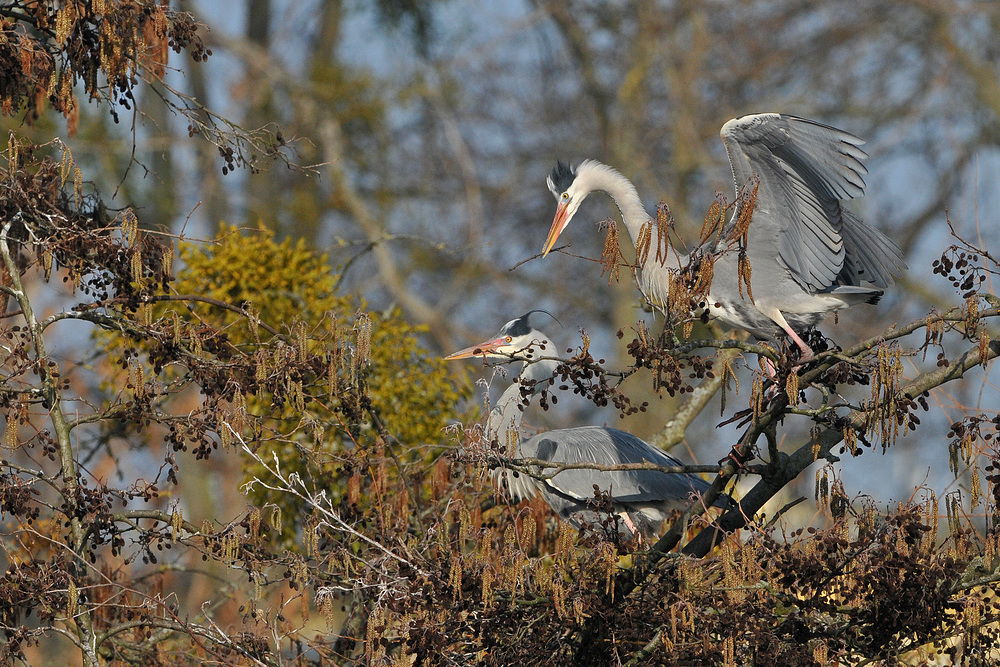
[804, 169]
[607, 446]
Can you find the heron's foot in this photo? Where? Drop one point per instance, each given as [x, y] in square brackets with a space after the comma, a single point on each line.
[806, 355]
[805, 358]
[807, 352]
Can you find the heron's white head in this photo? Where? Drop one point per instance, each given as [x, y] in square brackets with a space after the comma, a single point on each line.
[570, 186]
[516, 341]
[563, 183]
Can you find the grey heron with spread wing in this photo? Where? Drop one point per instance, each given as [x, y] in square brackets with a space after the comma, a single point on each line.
[807, 254]
[643, 498]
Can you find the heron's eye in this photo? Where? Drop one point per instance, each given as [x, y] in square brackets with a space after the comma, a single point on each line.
[507, 339]
[565, 195]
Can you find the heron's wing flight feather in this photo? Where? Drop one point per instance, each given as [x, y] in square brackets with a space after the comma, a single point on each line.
[872, 257]
[606, 446]
[804, 170]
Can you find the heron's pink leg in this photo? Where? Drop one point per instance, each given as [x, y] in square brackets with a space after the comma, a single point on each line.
[807, 352]
[779, 319]
[627, 520]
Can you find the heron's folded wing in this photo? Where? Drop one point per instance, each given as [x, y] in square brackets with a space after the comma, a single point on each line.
[606, 446]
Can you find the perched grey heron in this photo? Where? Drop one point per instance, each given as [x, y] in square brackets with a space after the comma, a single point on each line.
[642, 498]
[808, 255]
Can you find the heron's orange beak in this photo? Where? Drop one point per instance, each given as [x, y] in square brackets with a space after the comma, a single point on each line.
[480, 350]
[558, 224]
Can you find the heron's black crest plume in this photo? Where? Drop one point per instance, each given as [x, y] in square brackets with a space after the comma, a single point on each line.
[561, 178]
[521, 326]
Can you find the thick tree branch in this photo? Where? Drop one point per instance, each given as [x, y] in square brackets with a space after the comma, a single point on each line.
[67, 459]
[788, 468]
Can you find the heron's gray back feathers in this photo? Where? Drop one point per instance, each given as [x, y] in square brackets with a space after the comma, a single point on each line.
[648, 496]
[609, 446]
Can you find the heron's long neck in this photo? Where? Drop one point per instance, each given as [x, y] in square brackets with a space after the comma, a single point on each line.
[505, 419]
[626, 198]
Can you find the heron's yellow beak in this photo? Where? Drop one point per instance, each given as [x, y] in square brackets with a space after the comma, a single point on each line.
[483, 349]
[558, 224]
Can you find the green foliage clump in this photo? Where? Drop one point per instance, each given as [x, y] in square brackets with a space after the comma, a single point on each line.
[282, 282]
[292, 288]
[309, 376]
[407, 394]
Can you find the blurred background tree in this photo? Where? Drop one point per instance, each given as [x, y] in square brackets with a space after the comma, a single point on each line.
[397, 153]
[432, 126]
